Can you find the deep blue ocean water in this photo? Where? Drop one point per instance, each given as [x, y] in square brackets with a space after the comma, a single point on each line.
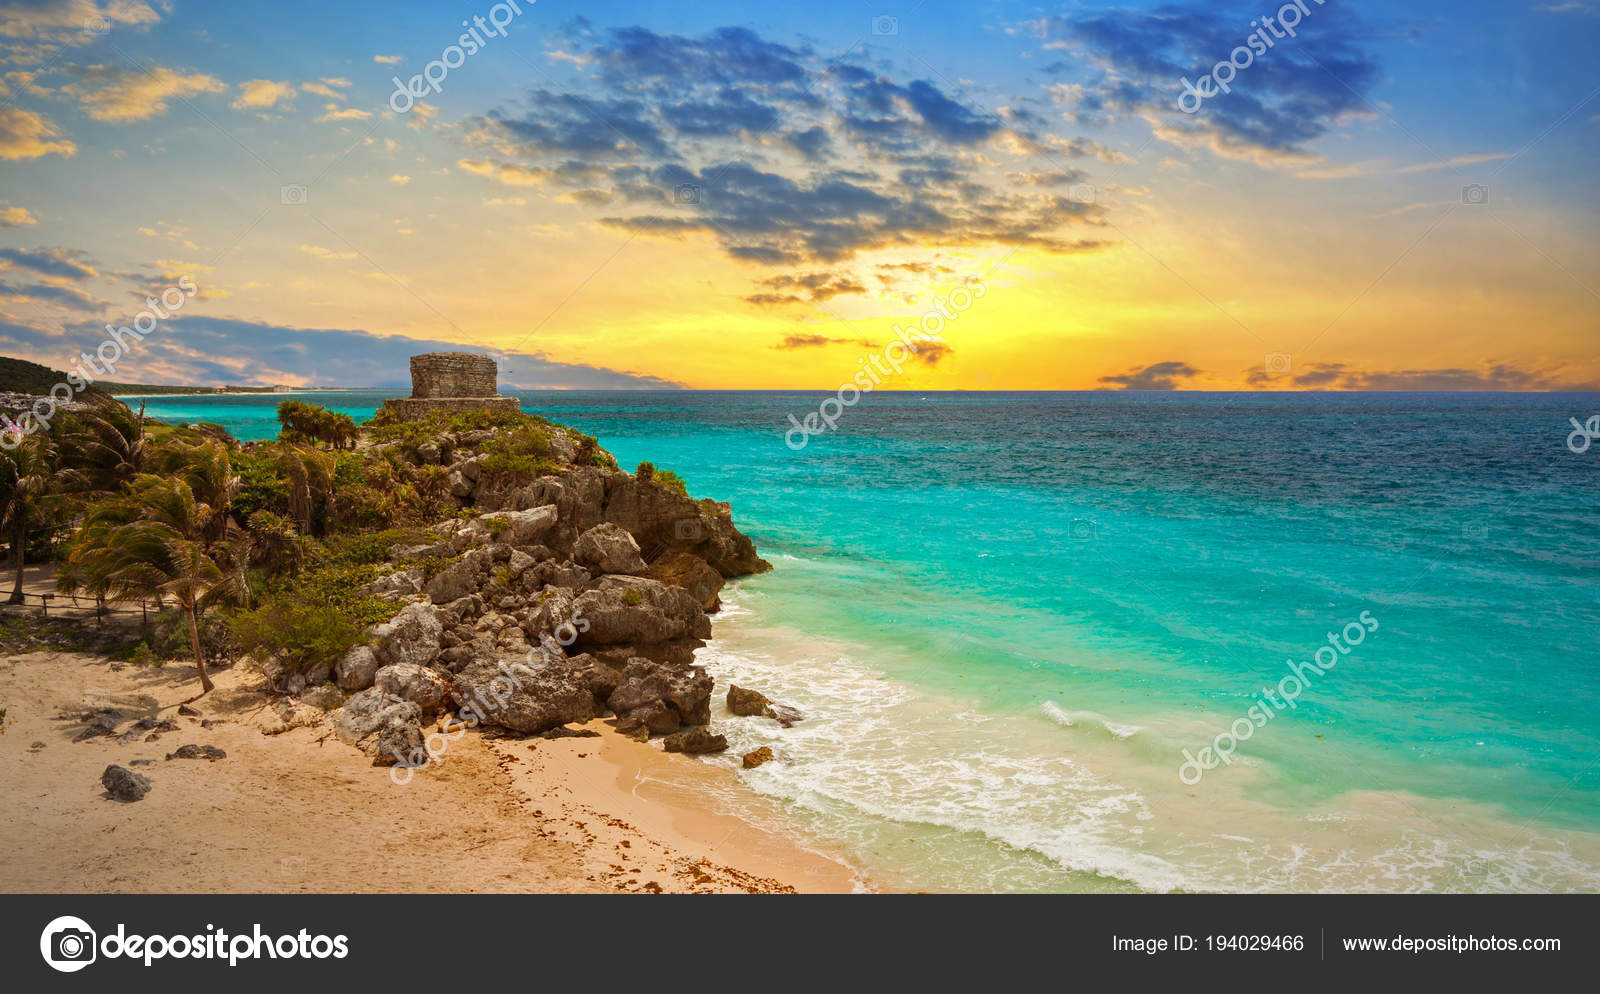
[1007, 615]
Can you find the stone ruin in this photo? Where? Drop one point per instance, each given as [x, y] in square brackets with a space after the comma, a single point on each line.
[451, 381]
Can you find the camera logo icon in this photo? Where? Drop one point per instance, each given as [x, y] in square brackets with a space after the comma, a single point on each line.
[688, 530]
[292, 195]
[687, 194]
[97, 25]
[1081, 193]
[1475, 194]
[68, 944]
[1278, 363]
[1083, 530]
[884, 26]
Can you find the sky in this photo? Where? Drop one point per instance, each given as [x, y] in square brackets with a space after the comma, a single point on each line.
[761, 196]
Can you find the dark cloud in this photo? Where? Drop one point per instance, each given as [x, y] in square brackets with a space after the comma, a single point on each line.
[817, 286]
[67, 296]
[60, 263]
[1131, 63]
[818, 341]
[259, 354]
[931, 352]
[1490, 376]
[1159, 376]
[745, 140]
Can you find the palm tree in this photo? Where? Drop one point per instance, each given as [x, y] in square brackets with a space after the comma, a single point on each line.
[152, 543]
[27, 488]
[103, 449]
[208, 471]
[310, 475]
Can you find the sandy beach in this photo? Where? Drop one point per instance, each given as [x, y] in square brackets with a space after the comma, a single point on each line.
[292, 809]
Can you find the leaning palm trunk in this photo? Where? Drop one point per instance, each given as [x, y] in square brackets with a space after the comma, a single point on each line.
[19, 551]
[206, 686]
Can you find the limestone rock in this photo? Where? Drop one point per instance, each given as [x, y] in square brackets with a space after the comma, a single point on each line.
[608, 548]
[410, 682]
[755, 759]
[694, 740]
[412, 636]
[124, 784]
[356, 670]
[521, 697]
[646, 683]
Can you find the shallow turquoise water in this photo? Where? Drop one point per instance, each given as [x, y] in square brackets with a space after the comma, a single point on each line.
[1007, 615]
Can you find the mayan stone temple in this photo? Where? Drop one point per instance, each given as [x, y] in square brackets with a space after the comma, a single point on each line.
[451, 381]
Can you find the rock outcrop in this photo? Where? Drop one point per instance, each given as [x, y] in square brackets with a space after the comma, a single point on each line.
[123, 784]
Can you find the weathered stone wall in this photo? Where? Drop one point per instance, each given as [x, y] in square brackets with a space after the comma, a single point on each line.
[416, 408]
[453, 374]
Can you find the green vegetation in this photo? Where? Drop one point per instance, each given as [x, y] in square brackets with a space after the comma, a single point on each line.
[304, 422]
[264, 548]
[648, 474]
[632, 597]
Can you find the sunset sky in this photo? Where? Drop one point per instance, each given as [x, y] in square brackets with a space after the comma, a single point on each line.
[739, 195]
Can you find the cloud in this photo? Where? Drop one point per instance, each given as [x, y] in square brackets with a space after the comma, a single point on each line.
[1488, 376]
[110, 93]
[66, 22]
[57, 263]
[1128, 63]
[1158, 376]
[399, 180]
[67, 296]
[792, 342]
[27, 135]
[326, 254]
[781, 156]
[15, 217]
[331, 87]
[333, 112]
[388, 60]
[190, 349]
[817, 287]
[262, 93]
[930, 352]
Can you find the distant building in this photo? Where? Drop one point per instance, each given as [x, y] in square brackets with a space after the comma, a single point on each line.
[452, 381]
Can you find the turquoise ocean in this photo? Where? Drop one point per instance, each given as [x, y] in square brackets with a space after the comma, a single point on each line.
[1006, 616]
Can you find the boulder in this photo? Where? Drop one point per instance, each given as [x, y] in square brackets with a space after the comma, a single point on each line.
[412, 636]
[755, 759]
[461, 578]
[396, 586]
[646, 683]
[399, 744]
[460, 486]
[369, 712]
[519, 562]
[629, 610]
[124, 784]
[513, 528]
[608, 548]
[694, 740]
[207, 752]
[524, 697]
[748, 703]
[686, 570]
[410, 682]
[357, 669]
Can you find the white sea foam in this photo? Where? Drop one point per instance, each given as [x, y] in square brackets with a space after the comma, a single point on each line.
[876, 760]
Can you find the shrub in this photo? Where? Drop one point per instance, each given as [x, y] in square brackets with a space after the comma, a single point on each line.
[672, 481]
[645, 472]
[632, 597]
